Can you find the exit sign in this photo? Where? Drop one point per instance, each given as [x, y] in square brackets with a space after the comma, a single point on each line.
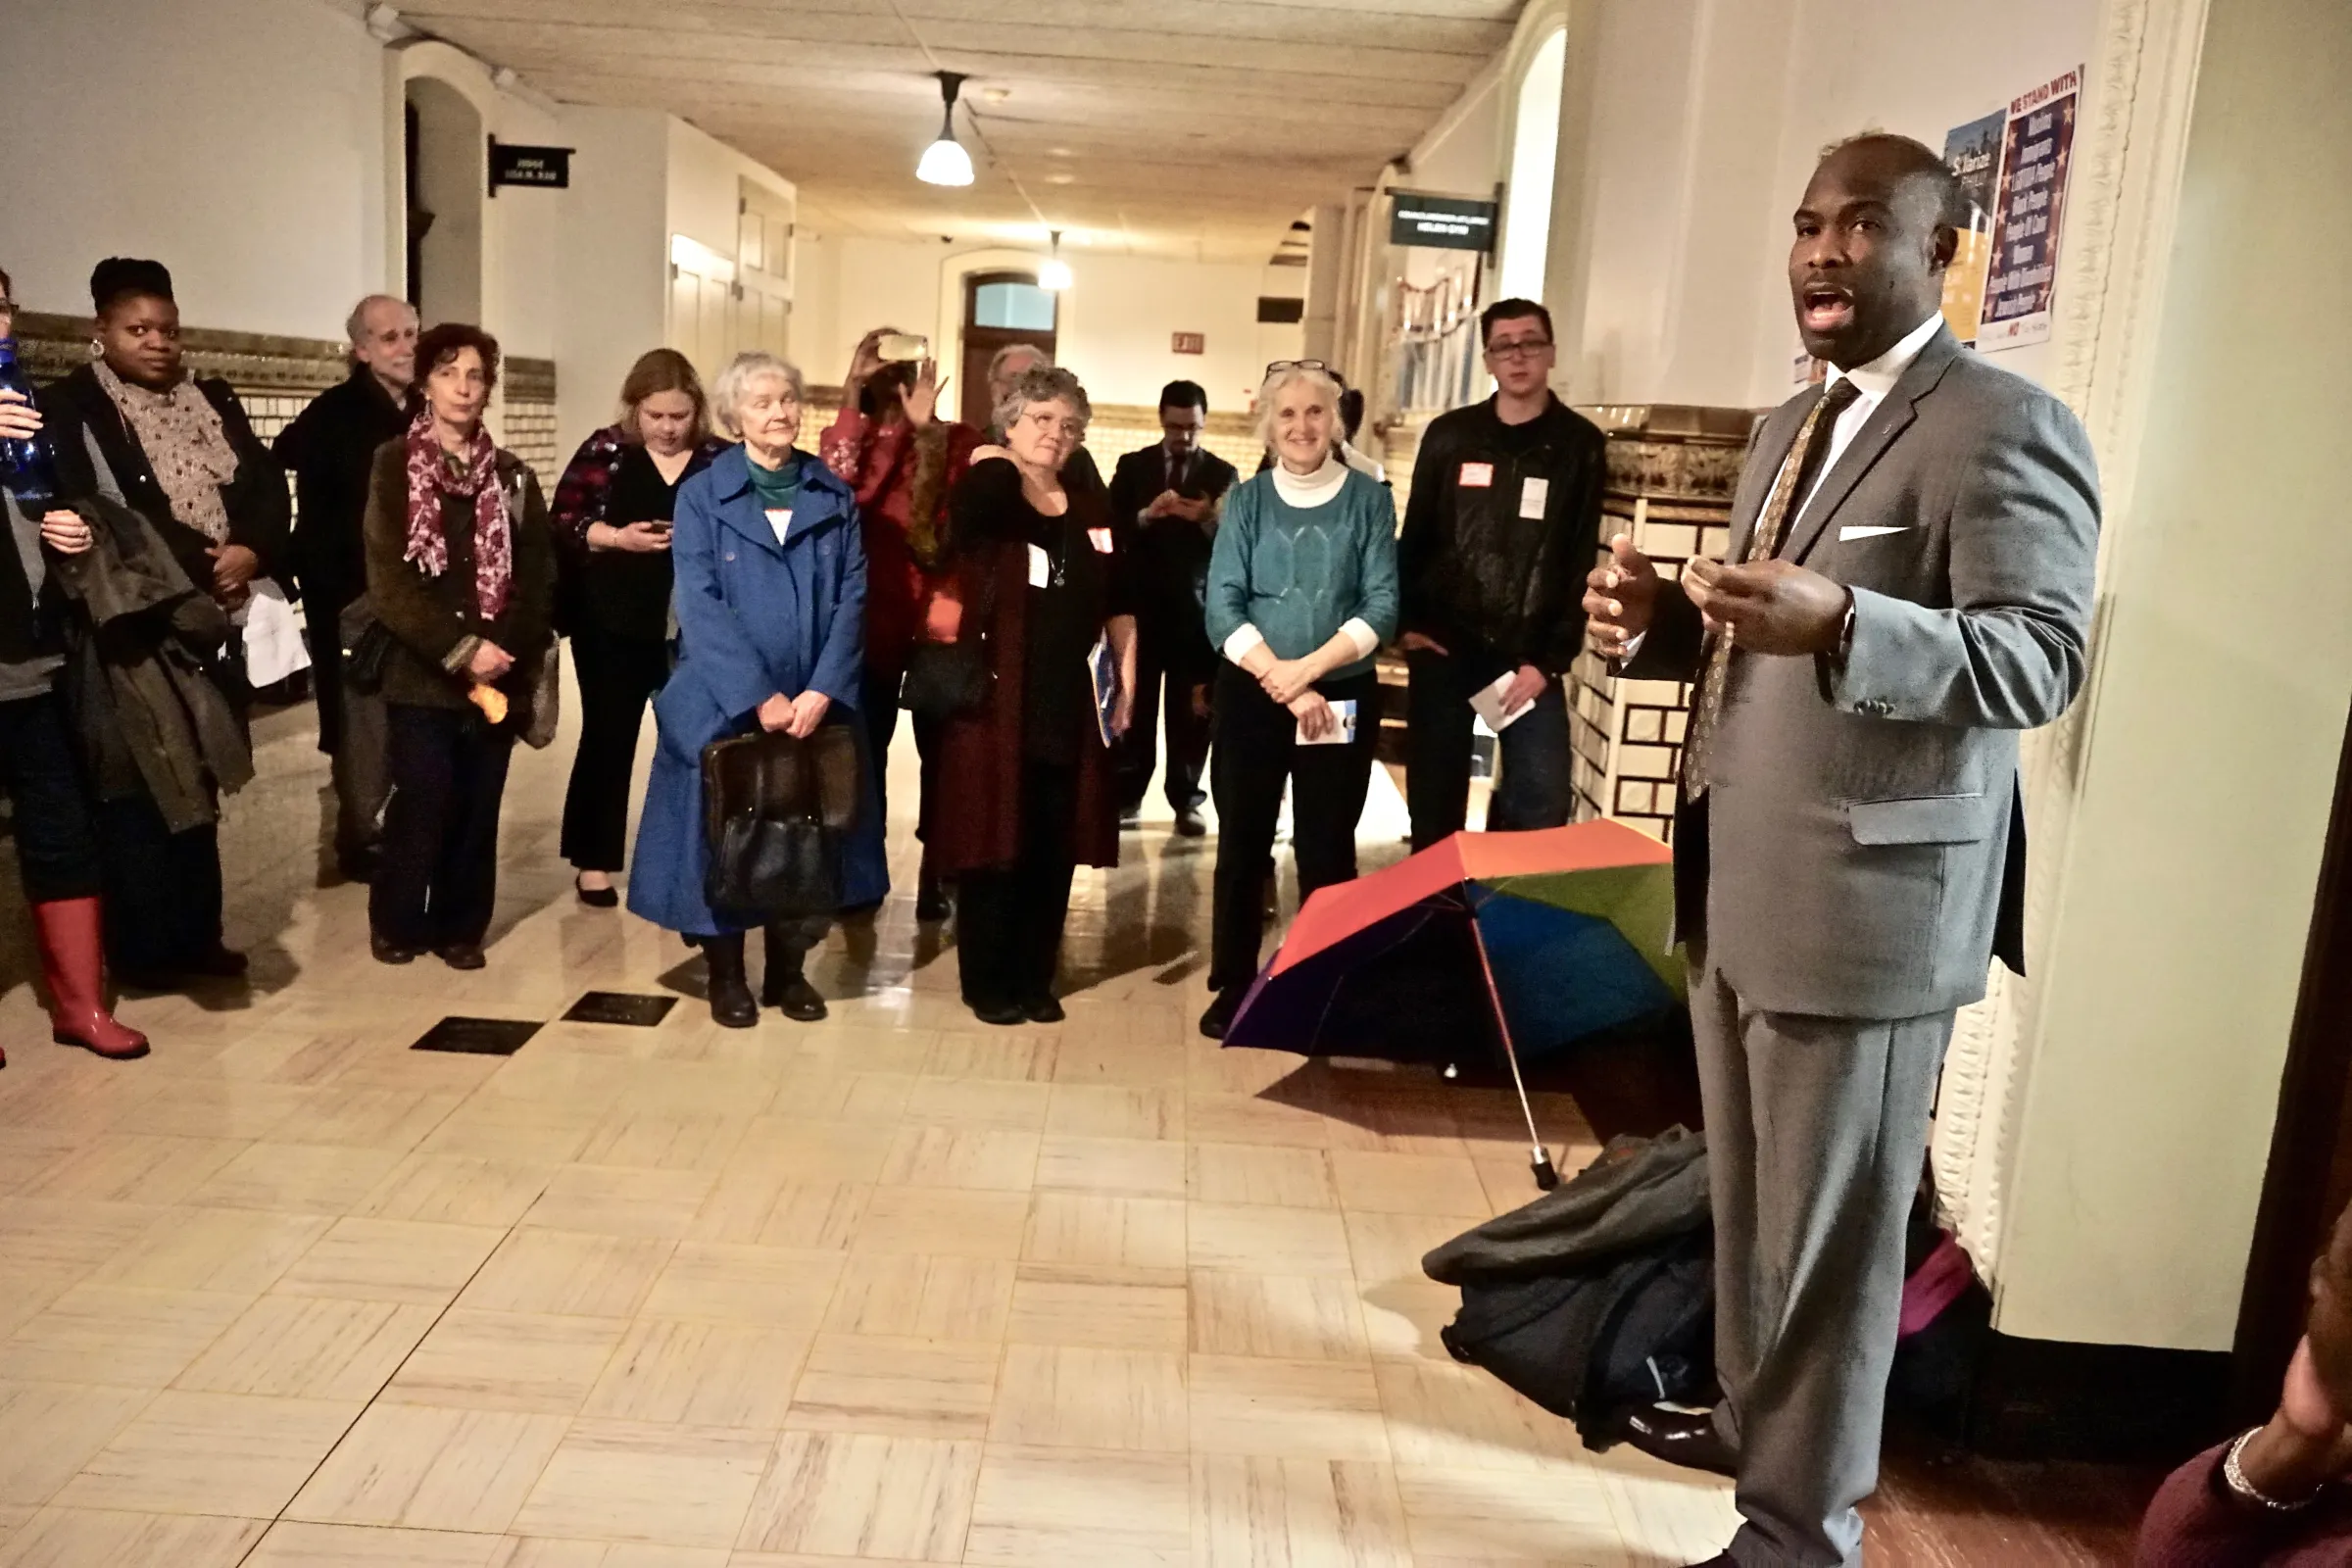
[1187, 343]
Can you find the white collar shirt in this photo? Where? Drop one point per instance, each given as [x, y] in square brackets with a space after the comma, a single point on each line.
[1872, 381]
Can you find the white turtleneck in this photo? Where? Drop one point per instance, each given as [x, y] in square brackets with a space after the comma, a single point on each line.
[1306, 491]
[1309, 490]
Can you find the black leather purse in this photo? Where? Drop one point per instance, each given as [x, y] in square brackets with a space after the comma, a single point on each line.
[776, 811]
[943, 679]
[367, 644]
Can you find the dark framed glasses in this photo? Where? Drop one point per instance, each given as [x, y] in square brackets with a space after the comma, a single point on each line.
[1280, 365]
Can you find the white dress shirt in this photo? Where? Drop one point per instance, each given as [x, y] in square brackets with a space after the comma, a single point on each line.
[1872, 381]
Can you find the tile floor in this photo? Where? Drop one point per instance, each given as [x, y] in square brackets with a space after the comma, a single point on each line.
[895, 1289]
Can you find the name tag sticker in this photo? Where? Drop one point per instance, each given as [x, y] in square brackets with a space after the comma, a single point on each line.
[1100, 538]
[1040, 567]
[1477, 476]
[1532, 494]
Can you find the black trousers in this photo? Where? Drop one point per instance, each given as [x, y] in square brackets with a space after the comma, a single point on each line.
[880, 694]
[1188, 732]
[618, 675]
[1256, 754]
[56, 843]
[163, 889]
[438, 881]
[1008, 918]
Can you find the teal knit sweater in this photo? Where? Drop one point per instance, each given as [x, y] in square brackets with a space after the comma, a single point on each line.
[1297, 575]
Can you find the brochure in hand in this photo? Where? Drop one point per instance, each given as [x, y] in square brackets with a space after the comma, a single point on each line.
[1103, 667]
[1341, 733]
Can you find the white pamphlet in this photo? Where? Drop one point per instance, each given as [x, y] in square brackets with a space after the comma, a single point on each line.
[1339, 733]
[1487, 701]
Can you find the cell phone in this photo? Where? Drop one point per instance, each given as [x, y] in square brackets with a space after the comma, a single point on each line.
[896, 347]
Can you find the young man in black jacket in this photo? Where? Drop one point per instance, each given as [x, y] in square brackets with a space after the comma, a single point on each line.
[1502, 524]
[1169, 495]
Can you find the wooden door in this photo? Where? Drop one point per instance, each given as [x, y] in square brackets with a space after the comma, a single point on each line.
[1000, 308]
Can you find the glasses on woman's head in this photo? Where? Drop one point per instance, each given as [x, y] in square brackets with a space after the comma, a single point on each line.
[1280, 365]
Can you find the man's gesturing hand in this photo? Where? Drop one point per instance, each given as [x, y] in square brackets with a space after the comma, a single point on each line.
[1768, 606]
[1620, 596]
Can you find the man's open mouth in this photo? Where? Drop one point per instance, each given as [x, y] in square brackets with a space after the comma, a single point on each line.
[1825, 307]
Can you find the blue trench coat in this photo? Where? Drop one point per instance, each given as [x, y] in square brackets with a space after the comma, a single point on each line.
[755, 617]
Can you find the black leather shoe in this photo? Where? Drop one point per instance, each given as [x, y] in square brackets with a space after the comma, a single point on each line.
[1219, 1017]
[931, 901]
[463, 956]
[1690, 1441]
[1131, 817]
[1189, 825]
[385, 951]
[732, 1005]
[794, 997]
[1043, 1009]
[1003, 1014]
[605, 898]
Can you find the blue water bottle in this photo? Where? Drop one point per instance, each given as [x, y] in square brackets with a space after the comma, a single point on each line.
[26, 469]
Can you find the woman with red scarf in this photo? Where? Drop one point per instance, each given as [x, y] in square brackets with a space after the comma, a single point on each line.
[901, 459]
[460, 572]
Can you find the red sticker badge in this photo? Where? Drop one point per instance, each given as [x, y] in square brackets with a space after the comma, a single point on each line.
[1477, 476]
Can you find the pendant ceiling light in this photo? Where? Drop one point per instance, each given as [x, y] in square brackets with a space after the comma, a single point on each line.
[1055, 274]
[945, 162]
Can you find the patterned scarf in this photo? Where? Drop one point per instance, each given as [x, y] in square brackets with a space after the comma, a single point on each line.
[432, 474]
[180, 432]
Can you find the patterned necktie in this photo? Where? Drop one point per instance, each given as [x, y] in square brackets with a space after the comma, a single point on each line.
[1812, 446]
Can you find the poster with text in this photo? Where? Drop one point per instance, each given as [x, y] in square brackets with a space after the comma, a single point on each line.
[2028, 214]
[1973, 152]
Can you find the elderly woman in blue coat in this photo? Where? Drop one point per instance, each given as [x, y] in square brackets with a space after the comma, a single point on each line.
[771, 599]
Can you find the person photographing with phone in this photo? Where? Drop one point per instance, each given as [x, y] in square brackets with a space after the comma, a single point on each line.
[611, 517]
[889, 446]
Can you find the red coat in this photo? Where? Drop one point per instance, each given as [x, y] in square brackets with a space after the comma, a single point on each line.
[976, 815]
[901, 479]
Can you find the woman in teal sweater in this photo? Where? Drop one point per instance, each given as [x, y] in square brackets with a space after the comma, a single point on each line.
[1301, 593]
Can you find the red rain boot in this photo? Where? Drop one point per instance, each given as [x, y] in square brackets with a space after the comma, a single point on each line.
[72, 962]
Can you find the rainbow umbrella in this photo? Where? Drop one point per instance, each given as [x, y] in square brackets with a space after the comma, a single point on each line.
[1516, 943]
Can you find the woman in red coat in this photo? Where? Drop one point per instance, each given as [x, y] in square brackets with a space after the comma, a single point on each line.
[888, 445]
[1043, 578]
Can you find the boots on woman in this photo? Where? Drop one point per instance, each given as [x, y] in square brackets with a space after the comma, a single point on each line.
[785, 986]
[73, 965]
[731, 1003]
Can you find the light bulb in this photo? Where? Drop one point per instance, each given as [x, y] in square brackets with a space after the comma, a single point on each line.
[945, 163]
[1053, 274]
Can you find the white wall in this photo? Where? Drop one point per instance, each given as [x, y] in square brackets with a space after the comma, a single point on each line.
[705, 185]
[2217, 715]
[1116, 320]
[240, 142]
[1706, 118]
[616, 260]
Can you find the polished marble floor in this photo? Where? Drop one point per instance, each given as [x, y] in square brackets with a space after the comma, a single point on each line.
[894, 1288]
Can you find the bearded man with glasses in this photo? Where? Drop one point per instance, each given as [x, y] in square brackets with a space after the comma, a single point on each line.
[1503, 523]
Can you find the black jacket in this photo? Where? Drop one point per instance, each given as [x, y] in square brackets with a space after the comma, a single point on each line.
[1494, 586]
[330, 449]
[1171, 555]
[259, 514]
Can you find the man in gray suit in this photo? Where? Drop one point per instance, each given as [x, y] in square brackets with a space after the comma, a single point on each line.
[1908, 586]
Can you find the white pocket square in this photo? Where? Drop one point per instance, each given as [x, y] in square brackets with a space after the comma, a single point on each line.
[1866, 531]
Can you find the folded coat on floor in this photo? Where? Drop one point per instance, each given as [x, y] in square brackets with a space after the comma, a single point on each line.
[1638, 1193]
[138, 671]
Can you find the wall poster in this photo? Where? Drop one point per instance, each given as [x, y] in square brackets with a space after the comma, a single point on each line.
[1973, 152]
[2028, 214]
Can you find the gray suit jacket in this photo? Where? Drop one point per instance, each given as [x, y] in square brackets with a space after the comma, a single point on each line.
[1862, 841]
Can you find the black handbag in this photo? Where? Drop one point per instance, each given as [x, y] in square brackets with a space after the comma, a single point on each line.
[367, 644]
[943, 679]
[777, 812]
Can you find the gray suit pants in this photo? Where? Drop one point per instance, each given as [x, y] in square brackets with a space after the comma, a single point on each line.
[1816, 1132]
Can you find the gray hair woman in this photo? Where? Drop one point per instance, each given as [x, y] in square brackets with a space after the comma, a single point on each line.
[770, 600]
[1301, 593]
[1043, 580]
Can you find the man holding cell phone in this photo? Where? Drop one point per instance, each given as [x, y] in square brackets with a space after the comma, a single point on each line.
[1501, 526]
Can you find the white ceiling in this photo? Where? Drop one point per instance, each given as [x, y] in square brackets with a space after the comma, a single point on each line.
[1193, 128]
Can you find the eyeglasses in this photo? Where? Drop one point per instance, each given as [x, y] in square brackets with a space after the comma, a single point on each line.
[1297, 364]
[1523, 349]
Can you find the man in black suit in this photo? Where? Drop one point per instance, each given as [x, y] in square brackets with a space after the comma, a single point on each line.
[1169, 495]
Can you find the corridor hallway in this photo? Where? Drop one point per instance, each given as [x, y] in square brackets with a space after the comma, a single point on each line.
[895, 1287]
